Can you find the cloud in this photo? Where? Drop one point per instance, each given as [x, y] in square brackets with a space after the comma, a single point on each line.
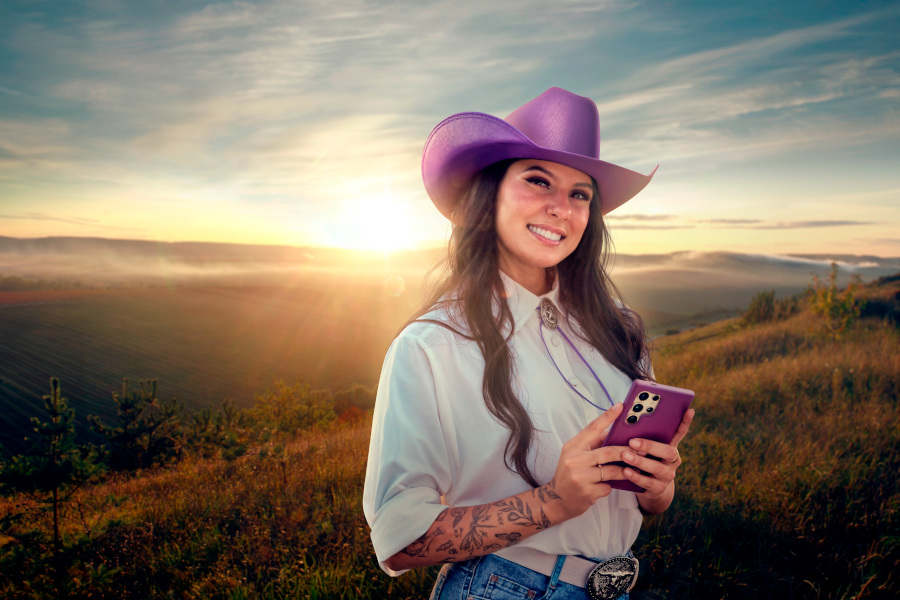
[638, 217]
[646, 222]
[760, 224]
[730, 221]
[300, 108]
[85, 222]
[802, 89]
[810, 224]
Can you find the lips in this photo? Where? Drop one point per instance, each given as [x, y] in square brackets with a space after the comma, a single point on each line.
[545, 233]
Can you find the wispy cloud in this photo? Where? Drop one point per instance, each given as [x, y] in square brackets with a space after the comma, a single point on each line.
[810, 224]
[93, 224]
[304, 110]
[650, 222]
[639, 217]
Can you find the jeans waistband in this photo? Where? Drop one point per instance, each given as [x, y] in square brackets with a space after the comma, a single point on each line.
[575, 570]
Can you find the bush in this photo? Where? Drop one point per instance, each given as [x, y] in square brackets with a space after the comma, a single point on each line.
[292, 408]
[837, 309]
[764, 307]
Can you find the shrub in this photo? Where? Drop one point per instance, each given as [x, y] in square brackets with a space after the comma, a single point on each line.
[290, 408]
[837, 309]
[764, 307]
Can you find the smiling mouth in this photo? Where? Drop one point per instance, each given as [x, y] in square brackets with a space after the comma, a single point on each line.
[544, 233]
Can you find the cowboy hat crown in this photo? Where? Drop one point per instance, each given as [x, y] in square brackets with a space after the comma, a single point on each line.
[557, 126]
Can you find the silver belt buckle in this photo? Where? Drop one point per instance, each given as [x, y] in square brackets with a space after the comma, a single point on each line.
[612, 578]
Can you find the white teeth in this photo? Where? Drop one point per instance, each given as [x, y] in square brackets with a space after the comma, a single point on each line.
[544, 233]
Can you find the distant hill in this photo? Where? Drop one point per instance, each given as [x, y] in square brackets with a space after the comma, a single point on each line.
[679, 282]
[216, 321]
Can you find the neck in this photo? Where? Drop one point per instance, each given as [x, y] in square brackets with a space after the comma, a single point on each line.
[537, 282]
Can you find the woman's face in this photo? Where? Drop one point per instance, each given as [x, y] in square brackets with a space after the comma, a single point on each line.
[542, 212]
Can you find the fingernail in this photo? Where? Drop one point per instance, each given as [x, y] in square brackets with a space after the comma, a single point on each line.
[628, 456]
[634, 444]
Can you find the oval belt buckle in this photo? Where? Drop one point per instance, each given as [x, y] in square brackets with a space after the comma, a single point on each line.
[612, 578]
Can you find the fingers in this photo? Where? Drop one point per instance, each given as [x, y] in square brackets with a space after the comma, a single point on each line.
[652, 475]
[683, 427]
[654, 464]
[665, 452]
[593, 434]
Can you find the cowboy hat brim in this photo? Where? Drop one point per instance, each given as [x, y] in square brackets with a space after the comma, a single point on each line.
[465, 143]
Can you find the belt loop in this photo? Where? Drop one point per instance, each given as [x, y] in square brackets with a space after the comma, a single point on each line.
[557, 569]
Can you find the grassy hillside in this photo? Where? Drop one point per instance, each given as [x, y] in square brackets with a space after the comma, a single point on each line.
[790, 486]
[204, 344]
[789, 489]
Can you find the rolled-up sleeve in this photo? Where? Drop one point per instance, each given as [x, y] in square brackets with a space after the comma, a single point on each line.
[408, 467]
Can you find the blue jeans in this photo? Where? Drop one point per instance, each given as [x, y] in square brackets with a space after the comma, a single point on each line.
[493, 578]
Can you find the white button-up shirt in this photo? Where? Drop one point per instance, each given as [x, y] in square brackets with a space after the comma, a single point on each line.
[435, 444]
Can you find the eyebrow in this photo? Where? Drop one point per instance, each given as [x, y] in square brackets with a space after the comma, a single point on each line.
[550, 174]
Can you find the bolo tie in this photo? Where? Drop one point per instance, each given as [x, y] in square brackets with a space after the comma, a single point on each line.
[550, 319]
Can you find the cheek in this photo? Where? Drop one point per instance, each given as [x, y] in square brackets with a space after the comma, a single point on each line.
[580, 221]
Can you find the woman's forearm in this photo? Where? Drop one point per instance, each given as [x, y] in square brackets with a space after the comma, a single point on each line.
[461, 533]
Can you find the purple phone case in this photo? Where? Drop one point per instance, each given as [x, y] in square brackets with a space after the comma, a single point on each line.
[659, 425]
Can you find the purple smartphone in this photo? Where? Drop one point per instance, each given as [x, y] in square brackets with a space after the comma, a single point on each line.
[652, 411]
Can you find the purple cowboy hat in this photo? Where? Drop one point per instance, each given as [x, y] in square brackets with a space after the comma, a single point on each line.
[558, 126]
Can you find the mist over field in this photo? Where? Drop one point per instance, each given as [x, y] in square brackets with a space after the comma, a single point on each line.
[679, 282]
[224, 321]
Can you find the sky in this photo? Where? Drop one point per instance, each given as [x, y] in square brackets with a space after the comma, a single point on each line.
[775, 125]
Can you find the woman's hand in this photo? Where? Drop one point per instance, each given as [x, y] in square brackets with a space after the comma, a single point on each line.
[580, 479]
[659, 463]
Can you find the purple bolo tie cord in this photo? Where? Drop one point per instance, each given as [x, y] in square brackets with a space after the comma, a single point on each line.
[541, 309]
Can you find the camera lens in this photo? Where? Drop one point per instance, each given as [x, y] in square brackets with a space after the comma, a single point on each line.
[631, 420]
[644, 396]
[649, 409]
[637, 408]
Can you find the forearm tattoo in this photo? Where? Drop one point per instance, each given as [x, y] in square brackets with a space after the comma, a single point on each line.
[479, 530]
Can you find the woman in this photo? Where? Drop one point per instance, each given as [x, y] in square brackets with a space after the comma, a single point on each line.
[494, 401]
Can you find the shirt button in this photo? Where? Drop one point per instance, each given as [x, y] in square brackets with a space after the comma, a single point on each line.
[554, 340]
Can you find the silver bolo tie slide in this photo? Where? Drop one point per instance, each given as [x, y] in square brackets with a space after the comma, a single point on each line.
[548, 314]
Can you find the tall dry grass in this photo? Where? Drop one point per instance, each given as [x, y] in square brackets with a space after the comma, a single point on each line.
[789, 489]
[282, 523]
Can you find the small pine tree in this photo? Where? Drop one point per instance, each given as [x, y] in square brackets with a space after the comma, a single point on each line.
[147, 433]
[54, 468]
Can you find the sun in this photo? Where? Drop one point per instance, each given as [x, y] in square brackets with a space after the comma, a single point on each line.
[379, 222]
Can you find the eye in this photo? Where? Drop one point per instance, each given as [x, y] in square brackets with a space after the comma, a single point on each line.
[581, 195]
[538, 181]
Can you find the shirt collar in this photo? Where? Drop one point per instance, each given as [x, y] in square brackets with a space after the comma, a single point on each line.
[522, 303]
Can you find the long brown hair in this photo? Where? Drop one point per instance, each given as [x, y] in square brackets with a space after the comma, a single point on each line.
[472, 285]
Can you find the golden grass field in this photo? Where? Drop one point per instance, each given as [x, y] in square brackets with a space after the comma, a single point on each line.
[789, 489]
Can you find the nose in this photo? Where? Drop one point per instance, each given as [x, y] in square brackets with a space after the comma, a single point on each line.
[558, 206]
